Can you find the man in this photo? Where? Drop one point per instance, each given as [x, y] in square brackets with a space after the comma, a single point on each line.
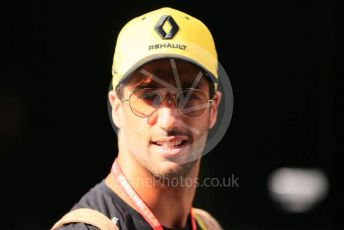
[163, 102]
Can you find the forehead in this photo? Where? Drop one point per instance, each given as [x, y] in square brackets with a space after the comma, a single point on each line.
[159, 72]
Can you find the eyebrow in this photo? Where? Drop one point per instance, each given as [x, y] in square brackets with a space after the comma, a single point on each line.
[153, 84]
[149, 82]
[143, 84]
[146, 82]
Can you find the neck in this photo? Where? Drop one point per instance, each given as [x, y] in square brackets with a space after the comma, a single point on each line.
[170, 201]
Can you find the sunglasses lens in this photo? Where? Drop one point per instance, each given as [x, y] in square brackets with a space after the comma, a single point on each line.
[192, 102]
[144, 102]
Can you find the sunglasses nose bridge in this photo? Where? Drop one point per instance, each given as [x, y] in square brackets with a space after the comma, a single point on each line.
[171, 99]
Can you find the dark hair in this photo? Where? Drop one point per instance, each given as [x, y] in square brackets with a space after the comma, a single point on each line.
[211, 85]
[119, 90]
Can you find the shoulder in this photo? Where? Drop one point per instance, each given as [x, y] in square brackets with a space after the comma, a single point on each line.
[205, 219]
[86, 216]
[77, 226]
[101, 199]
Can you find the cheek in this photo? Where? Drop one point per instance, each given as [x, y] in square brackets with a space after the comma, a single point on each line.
[135, 129]
[199, 125]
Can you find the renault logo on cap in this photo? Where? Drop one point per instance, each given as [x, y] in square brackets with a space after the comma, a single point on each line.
[160, 30]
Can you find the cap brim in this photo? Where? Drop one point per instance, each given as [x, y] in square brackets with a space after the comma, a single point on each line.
[154, 57]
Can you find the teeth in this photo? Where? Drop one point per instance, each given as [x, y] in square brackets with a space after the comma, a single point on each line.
[168, 143]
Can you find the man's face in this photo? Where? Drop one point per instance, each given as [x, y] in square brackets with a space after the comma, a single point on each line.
[159, 136]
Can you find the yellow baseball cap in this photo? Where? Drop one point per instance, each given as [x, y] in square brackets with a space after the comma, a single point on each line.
[163, 33]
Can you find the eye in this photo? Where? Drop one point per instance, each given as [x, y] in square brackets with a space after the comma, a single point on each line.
[150, 98]
[194, 96]
[191, 95]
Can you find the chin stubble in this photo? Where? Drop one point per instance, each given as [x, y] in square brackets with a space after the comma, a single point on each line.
[181, 171]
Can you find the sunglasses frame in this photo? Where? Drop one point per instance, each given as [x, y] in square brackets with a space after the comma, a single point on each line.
[209, 101]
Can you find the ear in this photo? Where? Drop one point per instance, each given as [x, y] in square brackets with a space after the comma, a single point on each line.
[213, 110]
[116, 105]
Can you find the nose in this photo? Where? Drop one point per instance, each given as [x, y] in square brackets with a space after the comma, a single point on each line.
[167, 115]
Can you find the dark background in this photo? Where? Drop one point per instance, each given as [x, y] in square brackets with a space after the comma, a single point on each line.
[56, 140]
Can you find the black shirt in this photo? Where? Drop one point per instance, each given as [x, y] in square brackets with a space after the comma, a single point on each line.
[104, 200]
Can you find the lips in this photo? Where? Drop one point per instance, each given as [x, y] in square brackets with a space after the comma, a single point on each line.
[171, 145]
[170, 141]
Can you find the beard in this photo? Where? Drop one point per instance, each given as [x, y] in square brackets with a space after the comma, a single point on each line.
[173, 175]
